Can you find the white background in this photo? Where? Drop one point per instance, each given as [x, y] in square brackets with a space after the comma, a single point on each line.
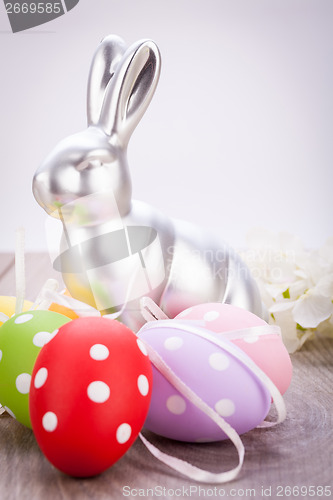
[239, 132]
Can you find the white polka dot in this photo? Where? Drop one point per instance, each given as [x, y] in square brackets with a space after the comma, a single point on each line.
[251, 339]
[50, 421]
[98, 391]
[0, 354]
[40, 377]
[99, 352]
[123, 433]
[219, 361]
[173, 343]
[9, 411]
[143, 385]
[225, 407]
[23, 318]
[142, 347]
[211, 315]
[176, 404]
[42, 338]
[22, 383]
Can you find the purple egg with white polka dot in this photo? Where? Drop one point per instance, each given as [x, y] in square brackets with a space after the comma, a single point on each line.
[214, 372]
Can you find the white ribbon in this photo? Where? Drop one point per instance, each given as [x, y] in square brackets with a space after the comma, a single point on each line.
[251, 331]
[49, 295]
[42, 302]
[150, 310]
[3, 317]
[19, 270]
[182, 466]
[19, 278]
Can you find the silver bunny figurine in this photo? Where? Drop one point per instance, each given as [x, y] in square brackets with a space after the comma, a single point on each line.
[114, 250]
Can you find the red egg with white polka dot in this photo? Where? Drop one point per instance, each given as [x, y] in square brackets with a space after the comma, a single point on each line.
[264, 347]
[90, 394]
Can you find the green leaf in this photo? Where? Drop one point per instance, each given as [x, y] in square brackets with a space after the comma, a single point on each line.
[286, 294]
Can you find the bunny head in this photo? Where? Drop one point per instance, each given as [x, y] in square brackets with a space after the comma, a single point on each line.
[87, 169]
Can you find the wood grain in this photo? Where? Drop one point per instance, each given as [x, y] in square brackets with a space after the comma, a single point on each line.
[299, 452]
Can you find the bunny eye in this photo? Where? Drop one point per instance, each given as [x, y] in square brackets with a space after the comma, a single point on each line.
[89, 164]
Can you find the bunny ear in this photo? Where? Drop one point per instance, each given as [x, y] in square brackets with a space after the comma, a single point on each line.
[131, 90]
[104, 63]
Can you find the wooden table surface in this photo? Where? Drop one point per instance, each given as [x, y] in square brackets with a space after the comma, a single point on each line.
[297, 453]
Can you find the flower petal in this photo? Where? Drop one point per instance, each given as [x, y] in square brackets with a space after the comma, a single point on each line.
[265, 296]
[285, 305]
[283, 271]
[301, 274]
[276, 290]
[325, 286]
[288, 330]
[298, 288]
[311, 309]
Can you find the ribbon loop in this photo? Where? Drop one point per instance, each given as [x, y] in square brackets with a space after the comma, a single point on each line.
[42, 302]
[182, 466]
[150, 310]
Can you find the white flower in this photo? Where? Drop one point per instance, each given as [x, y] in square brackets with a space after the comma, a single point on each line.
[296, 285]
[312, 307]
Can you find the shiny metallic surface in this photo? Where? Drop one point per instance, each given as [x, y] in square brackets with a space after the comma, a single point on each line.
[114, 250]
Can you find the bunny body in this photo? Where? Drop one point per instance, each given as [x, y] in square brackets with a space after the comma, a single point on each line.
[115, 250]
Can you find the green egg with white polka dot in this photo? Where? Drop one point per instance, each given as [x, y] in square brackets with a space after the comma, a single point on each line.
[21, 339]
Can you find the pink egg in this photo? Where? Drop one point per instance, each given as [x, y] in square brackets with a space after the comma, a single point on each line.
[266, 350]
